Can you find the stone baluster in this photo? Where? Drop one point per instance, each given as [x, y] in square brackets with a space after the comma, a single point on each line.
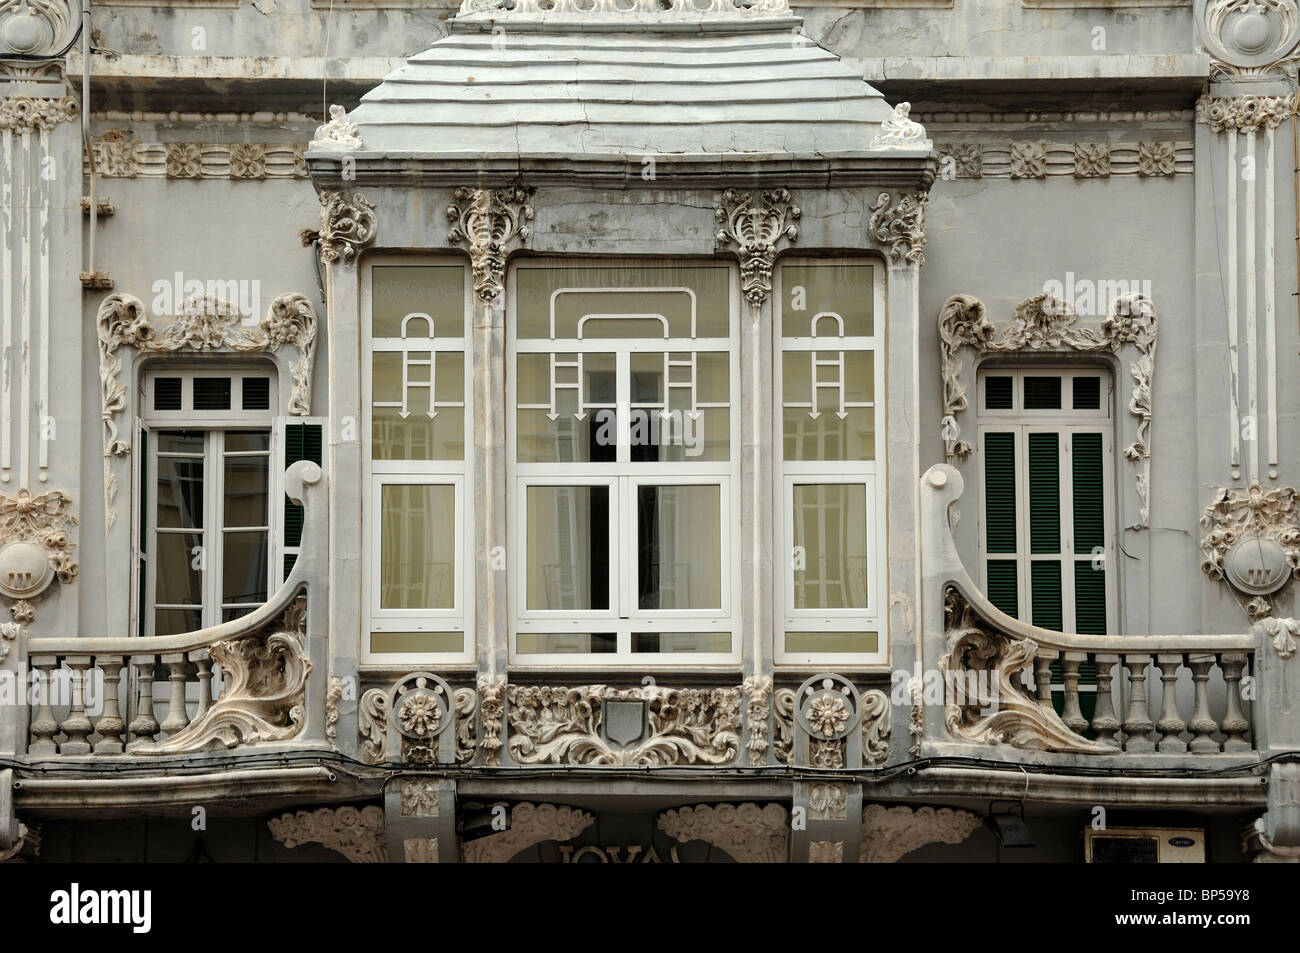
[1137, 722]
[203, 662]
[1043, 680]
[1202, 726]
[77, 726]
[1171, 725]
[110, 725]
[1235, 724]
[1071, 713]
[144, 725]
[1104, 721]
[43, 727]
[177, 715]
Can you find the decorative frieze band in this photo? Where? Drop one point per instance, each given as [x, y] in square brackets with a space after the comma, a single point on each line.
[120, 155]
[1245, 113]
[24, 113]
[1082, 160]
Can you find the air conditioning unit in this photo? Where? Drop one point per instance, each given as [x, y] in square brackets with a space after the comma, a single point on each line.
[1144, 845]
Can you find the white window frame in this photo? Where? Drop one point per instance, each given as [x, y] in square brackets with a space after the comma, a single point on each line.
[623, 477]
[872, 473]
[1064, 422]
[456, 473]
[214, 424]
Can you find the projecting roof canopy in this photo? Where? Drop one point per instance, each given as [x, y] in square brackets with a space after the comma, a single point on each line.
[622, 78]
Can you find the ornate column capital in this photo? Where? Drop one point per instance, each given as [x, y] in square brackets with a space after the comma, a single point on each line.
[1244, 113]
[755, 226]
[490, 222]
[347, 225]
[900, 229]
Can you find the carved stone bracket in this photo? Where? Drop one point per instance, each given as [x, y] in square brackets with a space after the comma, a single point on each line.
[356, 833]
[347, 225]
[600, 725]
[207, 326]
[1041, 324]
[1253, 543]
[985, 702]
[890, 833]
[490, 222]
[900, 229]
[756, 227]
[492, 690]
[529, 824]
[750, 833]
[1245, 113]
[35, 549]
[266, 689]
[1249, 37]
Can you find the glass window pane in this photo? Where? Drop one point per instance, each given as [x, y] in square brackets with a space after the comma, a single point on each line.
[679, 547]
[243, 567]
[814, 425]
[393, 643]
[435, 290]
[417, 562]
[645, 295]
[681, 642]
[247, 502]
[418, 436]
[180, 493]
[809, 642]
[530, 643]
[842, 289]
[568, 555]
[830, 528]
[180, 441]
[178, 578]
[556, 428]
[243, 441]
[176, 621]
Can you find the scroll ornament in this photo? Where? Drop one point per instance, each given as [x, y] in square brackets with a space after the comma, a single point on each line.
[755, 226]
[900, 229]
[489, 221]
[1046, 323]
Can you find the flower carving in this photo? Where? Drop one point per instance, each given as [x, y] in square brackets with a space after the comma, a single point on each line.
[827, 715]
[420, 714]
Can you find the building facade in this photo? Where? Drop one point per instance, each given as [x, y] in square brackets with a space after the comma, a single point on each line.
[649, 430]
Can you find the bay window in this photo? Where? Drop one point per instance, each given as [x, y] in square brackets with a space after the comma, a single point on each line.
[830, 527]
[621, 379]
[419, 578]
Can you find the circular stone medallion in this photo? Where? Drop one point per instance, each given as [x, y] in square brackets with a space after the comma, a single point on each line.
[1257, 565]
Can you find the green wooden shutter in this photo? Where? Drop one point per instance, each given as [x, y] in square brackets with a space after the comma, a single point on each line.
[1044, 493]
[141, 561]
[1088, 478]
[1000, 519]
[302, 441]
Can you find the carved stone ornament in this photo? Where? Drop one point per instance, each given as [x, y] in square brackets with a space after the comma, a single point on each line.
[1283, 632]
[26, 847]
[826, 852]
[755, 227]
[529, 824]
[207, 326]
[1248, 37]
[890, 833]
[556, 725]
[419, 797]
[347, 225]
[492, 689]
[828, 708]
[876, 726]
[750, 833]
[1044, 323]
[34, 27]
[901, 132]
[623, 10]
[357, 834]
[337, 135]
[986, 702]
[758, 696]
[332, 699]
[1253, 542]
[266, 689]
[828, 801]
[372, 724]
[9, 632]
[420, 707]
[489, 221]
[783, 703]
[1245, 113]
[35, 547]
[900, 229]
[26, 113]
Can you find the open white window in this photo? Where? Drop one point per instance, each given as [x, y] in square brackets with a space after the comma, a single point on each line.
[830, 604]
[624, 511]
[207, 491]
[419, 578]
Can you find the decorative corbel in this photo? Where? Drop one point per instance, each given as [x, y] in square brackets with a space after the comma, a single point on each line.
[756, 228]
[359, 834]
[490, 221]
[900, 229]
[347, 225]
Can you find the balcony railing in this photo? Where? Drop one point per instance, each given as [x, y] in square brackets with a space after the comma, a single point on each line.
[265, 660]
